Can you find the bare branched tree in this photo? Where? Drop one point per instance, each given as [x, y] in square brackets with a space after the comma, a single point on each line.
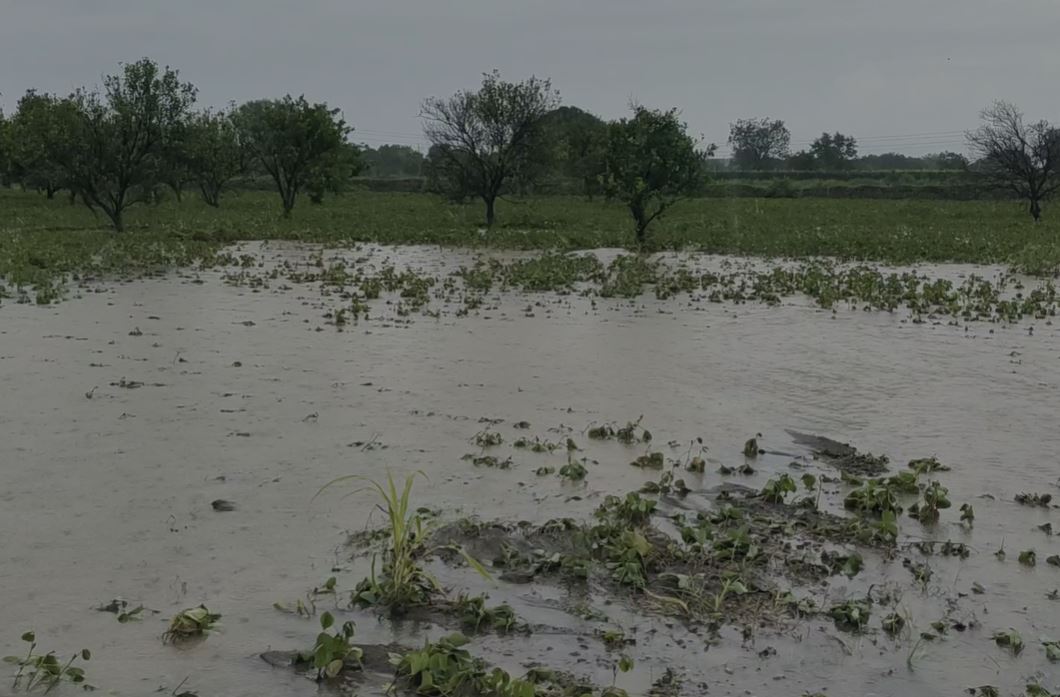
[1021, 157]
[486, 136]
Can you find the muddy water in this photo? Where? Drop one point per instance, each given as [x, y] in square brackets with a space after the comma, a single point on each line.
[244, 398]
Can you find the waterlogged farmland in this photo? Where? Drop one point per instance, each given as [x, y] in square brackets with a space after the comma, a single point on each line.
[671, 474]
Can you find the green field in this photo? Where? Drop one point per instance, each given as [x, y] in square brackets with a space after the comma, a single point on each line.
[42, 240]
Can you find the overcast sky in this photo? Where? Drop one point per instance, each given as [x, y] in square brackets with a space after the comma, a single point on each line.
[906, 75]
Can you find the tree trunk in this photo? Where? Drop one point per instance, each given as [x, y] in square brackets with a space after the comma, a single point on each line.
[1036, 210]
[116, 219]
[211, 195]
[49, 192]
[642, 233]
[73, 197]
[637, 210]
[490, 214]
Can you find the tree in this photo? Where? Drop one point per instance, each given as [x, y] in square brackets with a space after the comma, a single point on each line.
[834, 150]
[211, 154]
[334, 172]
[1022, 157]
[41, 136]
[758, 143]
[890, 161]
[651, 163]
[801, 161]
[293, 140]
[486, 137]
[392, 161]
[447, 175]
[121, 138]
[946, 160]
[574, 142]
[5, 150]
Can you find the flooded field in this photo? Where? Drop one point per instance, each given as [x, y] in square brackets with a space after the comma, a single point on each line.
[164, 440]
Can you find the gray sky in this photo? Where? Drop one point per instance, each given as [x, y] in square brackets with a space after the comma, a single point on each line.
[906, 75]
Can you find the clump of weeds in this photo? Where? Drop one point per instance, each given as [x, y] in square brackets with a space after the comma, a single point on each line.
[631, 511]
[1009, 639]
[875, 497]
[653, 461]
[333, 652]
[488, 439]
[696, 465]
[46, 670]
[1025, 499]
[936, 497]
[667, 484]
[922, 573]
[849, 565]
[776, 489]
[853, 615]
[120, 608]
[491, 461]
[629, 434]
[614, 639]
[402, 583]
[191, 623]
[893, 623]
[445, 668]
[927, 465]
[536, 445]
[476, 615]
[573, 471]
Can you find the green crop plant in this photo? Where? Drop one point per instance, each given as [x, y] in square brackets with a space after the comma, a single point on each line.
[475, 614]
[936, 497]
[445, 669]
[852, 615]
[874, 497]
[776, 489]
[46, 670]
[333, 652]
[193, 622]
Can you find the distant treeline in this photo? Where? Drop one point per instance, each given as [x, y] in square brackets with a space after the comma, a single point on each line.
[911, 184]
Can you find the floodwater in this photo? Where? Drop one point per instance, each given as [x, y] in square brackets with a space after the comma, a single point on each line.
[249, 396]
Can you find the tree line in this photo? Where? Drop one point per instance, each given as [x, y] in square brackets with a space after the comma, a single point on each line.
[118, 146]
[140, 133]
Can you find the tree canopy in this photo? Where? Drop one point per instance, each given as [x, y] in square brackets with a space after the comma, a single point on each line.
[574, 142]
[298, 144]
[1016, 155]
[116, 153]
[392, 161]
[40, 135]
[758, 143]
[211, 153]
[650, 163]
[485, 137]
[834, 150]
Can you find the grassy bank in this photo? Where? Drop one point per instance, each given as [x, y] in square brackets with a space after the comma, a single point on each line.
[42, 239]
